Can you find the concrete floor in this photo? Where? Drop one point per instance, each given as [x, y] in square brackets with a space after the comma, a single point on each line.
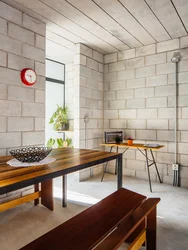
[23, 224]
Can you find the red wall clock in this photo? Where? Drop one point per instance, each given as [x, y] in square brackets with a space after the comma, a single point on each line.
[28, 76]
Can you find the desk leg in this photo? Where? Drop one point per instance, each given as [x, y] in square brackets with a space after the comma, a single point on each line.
[106, 164]
[147, 166]
[116, 161]
[36, 187]
[119, 175]
[155, 166]
[47, 194]
[64, 192]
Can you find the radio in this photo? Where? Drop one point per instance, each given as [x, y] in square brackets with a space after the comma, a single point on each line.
[111, 137]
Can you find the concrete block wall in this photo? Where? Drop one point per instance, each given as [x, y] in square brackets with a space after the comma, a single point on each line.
[88, 94]
[22, 108]
[139, 99]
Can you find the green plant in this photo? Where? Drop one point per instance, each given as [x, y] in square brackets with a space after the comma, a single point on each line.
[118, 139]
[59, 118]
[59, 142]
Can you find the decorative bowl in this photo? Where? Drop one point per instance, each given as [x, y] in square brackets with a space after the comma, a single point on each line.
[30, 154]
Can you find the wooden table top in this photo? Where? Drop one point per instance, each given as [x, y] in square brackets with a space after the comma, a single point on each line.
[135, 145]
[106, 216]
[68, 160]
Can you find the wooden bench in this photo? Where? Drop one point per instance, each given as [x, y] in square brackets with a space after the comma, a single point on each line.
[106, 225]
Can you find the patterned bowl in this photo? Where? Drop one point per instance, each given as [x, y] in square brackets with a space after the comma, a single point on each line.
[30, 154]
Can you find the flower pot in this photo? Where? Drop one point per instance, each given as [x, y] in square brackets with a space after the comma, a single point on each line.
[130, 142]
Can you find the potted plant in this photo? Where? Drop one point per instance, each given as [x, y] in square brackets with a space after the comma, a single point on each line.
[130, 141]
[118, 139]
[59, 142]
[59, 119]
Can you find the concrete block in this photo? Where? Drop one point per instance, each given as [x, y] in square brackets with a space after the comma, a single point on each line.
[165, 90]
[3, 26]
[34, 25]
[110, 58]
[185, 112]
[3, 58]
[98, 56]
[110, 77]
[20, 124]
[39, 96]
[10, 45]
[39, 124]
[183, 160]
[40, 69]
[184, 42]
[20, 33]
[146, 134]
[182, 124]
[10, 108]
[3, 124]
[184, 136]
[136, 124]
[3, 91]
[136, 103]
[146, 50]
[135, 165]
[118, 124]
[183, 147]
[129, 154]
[166, 113]
[98, 95]
[10, 14]
[33, 53]
[33, 138]
[145, 71]
[182, 78]
[117, 104]
[144, 175]
[127, 114]
[146, 113]
[97, 76]
[118, 85]
[33, 109]
[125, 94]
[155, 59]
[41, 83]
[16, 93]
[167, 179]
[86, 72]
[127, 54]
[19, 63]
[141, 157]
[135, 63]
[165, 135]
[97, 114]
[111, 114]
[126, 74]
[92, 64]
[183, 53]
[84, 50]
[157, 124]
[184, 182]
[165, 68]
[156, 102]
[156, 80]
[165, 158]
[144, 92]
[101, 67]
[10, 140]
[80, 59]
[110, 95]
[129, 172]
[106, 68]
[168, 45]
[117, 66]
[40, 42]
[183, 66]
[182, 101]
[135, 83]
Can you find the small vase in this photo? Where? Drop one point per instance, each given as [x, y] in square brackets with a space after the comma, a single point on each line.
[130, 142]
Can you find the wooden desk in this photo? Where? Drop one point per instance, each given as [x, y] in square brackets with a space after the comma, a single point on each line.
[140, 147]
[68, 160]
[105, 225]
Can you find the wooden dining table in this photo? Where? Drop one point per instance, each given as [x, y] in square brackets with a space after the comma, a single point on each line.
[67, 160]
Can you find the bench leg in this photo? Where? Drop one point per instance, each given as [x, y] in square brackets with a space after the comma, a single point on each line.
[47, 194]
[151, 233]
[64, 191]
[36, 201]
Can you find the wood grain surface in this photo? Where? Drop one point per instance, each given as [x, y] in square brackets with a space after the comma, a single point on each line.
[135, 145]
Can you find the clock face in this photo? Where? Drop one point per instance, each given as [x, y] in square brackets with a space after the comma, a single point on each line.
[28, 76]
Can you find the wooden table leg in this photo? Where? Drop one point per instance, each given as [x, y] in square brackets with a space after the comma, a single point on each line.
[64, 191]
[120, 170]
[47, 194]
[151, 233]
[36, 187]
